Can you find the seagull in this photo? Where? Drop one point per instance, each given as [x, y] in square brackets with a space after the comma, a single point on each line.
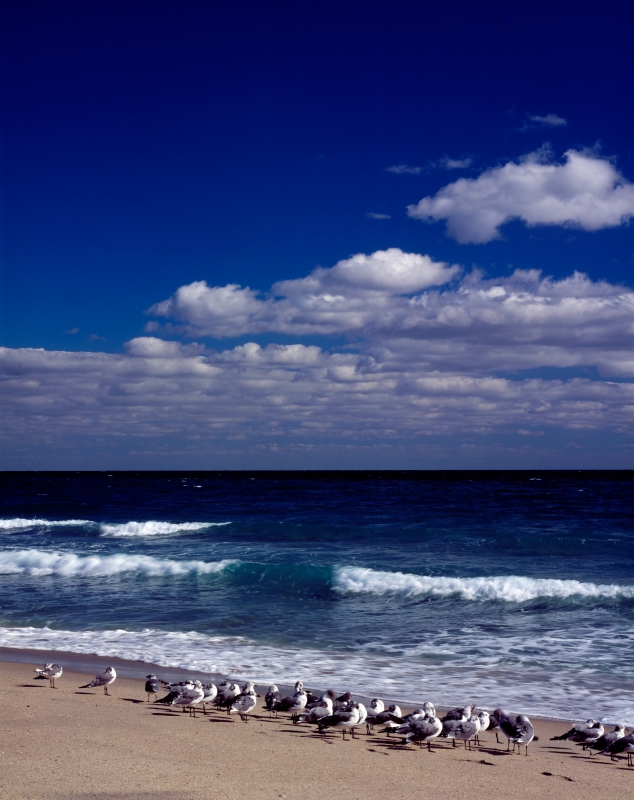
[494, 722]
[461, 714]
[343, 720]
[244, 702]
[391, 718]
[518, 730]
[464, 729]
[227, 694]
[105, 679]
[152, 686]
[584, 732]
[272, 697]
[363, 713]
[175, 689]
[294, 704]
[317, 712]
[50, 671]
[210, 694]
[190, 697]
[341, 703]
[623, 745]
[424, 730]
[603, 742]
[485, 719]
[328, 696]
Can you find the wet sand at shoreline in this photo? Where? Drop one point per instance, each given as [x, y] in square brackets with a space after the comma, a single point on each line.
[78, 743]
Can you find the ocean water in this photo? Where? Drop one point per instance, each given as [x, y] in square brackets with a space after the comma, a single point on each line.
[499, 588]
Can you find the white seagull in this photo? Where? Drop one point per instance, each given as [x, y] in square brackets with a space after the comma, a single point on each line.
[581, 732]
[518, 730]
[344, 720]
[244, 702]
[190, 697]
[50, 671]
[424, 730]
[105, 679]
[210, 695]
[464, 729]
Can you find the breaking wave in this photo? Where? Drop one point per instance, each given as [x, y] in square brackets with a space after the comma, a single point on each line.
[153, 528]
[40, 562]
[510, 588]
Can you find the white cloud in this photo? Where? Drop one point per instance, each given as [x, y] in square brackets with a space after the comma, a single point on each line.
[428, 357]
[162, 395]
[455, 163]
[343, 298]
[584, 192]
[373, 215]
[549, 120]
[388, 300]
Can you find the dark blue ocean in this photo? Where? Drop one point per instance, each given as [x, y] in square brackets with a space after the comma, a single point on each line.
[501, 588]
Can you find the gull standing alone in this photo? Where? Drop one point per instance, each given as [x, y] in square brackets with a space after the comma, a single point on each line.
[152, 686]
[105, 679]
[50, 671]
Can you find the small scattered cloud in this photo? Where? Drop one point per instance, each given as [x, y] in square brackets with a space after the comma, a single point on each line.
[455, 163]
[72, 331]
[548, 121]
[442, 163]
[373, 215]
[405, 169]
[585, 191]
[94, 337]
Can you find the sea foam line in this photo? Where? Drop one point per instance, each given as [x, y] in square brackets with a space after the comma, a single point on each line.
[508, 588]
[39, 562]
[18, 522]
[544, 690]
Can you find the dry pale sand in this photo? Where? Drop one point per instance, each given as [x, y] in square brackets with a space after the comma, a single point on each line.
[78, 743]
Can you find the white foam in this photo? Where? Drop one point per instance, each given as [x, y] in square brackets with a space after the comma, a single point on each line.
[552, 692]
[18, 522]
[40, 562]
[509, 588]
[154, 528]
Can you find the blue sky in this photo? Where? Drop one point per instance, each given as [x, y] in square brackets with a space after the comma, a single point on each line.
[149, 146]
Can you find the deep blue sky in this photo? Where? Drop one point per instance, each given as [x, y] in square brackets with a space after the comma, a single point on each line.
[148, 145]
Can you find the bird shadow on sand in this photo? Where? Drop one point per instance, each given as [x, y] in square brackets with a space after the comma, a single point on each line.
[89, 693]
[31, 686]
[132, 700]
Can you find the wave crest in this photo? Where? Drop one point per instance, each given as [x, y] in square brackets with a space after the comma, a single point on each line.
[38, 563]
[153, 528]
[510, 588]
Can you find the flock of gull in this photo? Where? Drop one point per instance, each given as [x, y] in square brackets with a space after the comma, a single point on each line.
[343, 713]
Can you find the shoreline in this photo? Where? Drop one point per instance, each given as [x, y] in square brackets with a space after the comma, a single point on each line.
[91, 663]
[73, 743]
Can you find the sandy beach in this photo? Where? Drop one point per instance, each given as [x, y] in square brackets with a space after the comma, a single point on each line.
[78, 743]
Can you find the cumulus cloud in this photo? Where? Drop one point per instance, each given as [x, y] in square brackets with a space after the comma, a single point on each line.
[345, 297]
[432, 352]
[584, 191]
[388, 300]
